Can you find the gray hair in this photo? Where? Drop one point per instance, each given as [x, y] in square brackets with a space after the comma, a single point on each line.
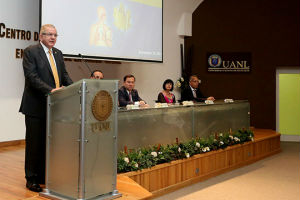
[45, 26]
[193, 76]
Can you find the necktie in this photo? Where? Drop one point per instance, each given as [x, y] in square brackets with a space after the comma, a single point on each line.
[194, 93]
[130, 97]
[54, 70]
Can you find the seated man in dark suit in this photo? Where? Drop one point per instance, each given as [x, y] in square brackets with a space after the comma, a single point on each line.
[127, 93]
[192, 92]
[97, 74]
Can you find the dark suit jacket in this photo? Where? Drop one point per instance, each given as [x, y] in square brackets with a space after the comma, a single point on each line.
[124, 97]
[187, 95]
[39, 80]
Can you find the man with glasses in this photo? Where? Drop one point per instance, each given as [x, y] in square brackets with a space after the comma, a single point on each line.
[44, 71]
[192, 92]
[97, 74]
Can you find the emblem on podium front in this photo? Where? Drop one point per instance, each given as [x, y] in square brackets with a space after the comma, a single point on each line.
[102, 105]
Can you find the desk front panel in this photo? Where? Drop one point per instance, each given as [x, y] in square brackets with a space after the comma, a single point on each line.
[144, 127]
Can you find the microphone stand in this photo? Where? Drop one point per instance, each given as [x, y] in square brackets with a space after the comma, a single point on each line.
[82, 60]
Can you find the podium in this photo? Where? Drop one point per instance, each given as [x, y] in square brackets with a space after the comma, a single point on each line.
[81, 148]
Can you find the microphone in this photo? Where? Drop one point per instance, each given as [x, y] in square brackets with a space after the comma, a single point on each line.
[86, 64]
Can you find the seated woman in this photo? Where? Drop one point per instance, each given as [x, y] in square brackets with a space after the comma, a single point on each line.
[166, 96]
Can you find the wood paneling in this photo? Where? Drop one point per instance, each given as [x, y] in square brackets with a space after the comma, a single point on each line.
[268, 29]
[170, 176]
[12, 143]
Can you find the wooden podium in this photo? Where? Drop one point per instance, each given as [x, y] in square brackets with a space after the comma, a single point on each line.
[81, 152]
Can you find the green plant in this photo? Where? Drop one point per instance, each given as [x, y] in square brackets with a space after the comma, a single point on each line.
[148, 157]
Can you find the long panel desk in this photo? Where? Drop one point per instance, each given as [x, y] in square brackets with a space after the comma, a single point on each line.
[143, 127]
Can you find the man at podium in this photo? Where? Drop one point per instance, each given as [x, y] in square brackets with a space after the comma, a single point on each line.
[44, 72]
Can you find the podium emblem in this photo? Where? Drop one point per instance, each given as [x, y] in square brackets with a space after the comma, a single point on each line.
[102, 105]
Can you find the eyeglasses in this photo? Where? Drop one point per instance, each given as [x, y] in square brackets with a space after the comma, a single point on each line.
[50, 34]
[98, 77]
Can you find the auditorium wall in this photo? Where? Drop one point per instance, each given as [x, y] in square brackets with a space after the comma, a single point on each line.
[24, 15]
[268, 29]
[19, 20]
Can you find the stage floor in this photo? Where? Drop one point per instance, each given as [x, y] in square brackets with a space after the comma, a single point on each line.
[12, 184]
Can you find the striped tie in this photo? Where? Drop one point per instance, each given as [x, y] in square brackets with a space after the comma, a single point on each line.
[130, 97]
[194, 93]
[54, 70]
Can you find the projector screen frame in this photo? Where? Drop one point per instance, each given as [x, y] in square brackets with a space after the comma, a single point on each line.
[89, 57]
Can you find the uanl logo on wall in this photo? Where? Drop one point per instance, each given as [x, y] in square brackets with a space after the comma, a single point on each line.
[229, 62]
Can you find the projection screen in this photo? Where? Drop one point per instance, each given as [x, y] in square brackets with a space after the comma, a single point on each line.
[107, 29]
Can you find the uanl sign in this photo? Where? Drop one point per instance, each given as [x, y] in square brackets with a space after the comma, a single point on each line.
[229, 62]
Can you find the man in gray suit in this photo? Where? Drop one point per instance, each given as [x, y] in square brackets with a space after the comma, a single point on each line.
[44, 72]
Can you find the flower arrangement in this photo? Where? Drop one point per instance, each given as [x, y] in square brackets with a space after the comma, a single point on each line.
[150, 156]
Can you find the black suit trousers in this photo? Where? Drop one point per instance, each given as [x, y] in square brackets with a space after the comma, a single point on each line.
[35, 151]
